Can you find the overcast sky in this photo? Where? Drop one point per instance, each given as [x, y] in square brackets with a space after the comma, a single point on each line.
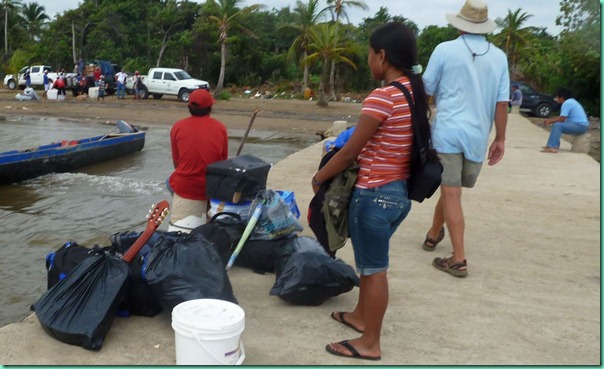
[422, 12]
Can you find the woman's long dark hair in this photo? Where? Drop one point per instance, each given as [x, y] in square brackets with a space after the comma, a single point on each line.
[398, 42]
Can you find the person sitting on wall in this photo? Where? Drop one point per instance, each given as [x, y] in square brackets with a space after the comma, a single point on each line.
[196, 142]
[572, 120]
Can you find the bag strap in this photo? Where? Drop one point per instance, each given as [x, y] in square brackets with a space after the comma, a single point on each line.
[419, 147]
[225, 213]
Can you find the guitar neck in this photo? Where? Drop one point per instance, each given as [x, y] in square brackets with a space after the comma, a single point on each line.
[138, 245]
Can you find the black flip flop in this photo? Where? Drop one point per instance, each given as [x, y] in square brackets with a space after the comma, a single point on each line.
[341, 319]
[353, 351]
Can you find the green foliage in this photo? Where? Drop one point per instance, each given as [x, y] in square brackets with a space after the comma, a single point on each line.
[223, 95]
[18, 60]
[188, 34]
[430, 37]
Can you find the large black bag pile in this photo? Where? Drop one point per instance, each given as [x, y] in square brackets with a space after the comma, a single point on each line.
[138, 299]
[307, 275]
[79, 310]
[184, 268]
[244, 174]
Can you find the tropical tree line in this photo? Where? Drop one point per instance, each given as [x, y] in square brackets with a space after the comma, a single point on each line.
[284, 50]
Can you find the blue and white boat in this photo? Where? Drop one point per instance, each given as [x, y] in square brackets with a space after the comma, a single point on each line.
[67, 156]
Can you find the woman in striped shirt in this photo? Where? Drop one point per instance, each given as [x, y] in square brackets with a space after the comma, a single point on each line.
[382, 145]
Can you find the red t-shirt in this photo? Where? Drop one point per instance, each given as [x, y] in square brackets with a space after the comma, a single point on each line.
[196, 142]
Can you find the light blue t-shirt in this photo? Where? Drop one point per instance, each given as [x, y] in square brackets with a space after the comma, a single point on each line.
[466, 90]
[574, 112]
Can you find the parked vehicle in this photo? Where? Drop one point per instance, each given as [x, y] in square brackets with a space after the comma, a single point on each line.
[535, 103]
[108, 69]
[168, 81]
[66, 156]
[36, 73]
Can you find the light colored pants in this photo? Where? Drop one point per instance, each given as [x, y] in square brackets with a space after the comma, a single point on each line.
[515, 109]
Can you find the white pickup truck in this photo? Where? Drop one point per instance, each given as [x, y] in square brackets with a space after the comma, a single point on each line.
[168, 81]
[36, 73]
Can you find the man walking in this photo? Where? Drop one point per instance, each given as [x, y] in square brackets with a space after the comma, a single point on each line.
[516, 100]
[469, 80]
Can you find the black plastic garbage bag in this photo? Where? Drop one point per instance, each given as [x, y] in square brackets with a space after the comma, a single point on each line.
[80, 309]
[307, 275]
[187, 268]
[260, 255]
[138, 299]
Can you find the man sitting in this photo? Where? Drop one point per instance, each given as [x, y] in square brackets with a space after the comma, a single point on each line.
[572, 120]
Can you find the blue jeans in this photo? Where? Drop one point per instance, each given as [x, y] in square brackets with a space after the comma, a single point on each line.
[374, 214]
[121, 90]
[559, 128]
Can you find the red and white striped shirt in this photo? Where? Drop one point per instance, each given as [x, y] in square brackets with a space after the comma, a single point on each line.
[387, 155]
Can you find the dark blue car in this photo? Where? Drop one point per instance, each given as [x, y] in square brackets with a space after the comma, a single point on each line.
[535, 103]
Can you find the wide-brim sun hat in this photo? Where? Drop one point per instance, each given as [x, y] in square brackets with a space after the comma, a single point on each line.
[472, 18]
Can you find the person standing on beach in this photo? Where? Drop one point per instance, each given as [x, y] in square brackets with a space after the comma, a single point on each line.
[120, 79]
[45, 82]
[469, 80]
[572, 120]
[382, 145]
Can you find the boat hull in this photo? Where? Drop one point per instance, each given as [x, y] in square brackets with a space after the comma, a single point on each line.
[20, 165]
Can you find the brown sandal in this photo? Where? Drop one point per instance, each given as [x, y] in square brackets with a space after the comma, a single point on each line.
[430, 244]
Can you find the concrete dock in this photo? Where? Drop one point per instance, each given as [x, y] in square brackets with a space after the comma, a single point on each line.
[532, 296]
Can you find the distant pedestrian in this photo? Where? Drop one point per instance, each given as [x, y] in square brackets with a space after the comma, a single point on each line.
[27, 77]
[138, 86]
[97, 74]
[572, 120]
[102, 87]
[516, 100]
[59, 84]
[81, 67]
[120, 79]
[45, 82]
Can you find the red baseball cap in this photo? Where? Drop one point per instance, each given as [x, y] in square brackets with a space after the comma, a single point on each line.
[201, 98]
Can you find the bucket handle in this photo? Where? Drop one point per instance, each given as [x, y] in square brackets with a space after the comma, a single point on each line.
[241, 355]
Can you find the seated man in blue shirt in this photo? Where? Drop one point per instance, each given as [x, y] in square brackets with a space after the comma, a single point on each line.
[572, 120]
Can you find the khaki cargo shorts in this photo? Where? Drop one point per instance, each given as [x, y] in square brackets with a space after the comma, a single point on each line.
[459, 171]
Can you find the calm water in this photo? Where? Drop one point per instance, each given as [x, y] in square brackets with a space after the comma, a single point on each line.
[39, 215]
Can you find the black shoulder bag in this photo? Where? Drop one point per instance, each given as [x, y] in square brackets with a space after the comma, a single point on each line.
[426, 169]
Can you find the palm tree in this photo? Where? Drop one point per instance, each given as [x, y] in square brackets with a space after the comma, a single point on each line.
[326, 45]
[513, 36]
[308, 16]
[227, 13]
[338, 11]
[338, 8]
[8, 6]
[34, 18]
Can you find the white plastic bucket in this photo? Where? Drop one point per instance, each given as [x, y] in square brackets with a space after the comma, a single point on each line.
[208, 332]
[93, 92]
[188, 224]
[217, 206]
[52, 94]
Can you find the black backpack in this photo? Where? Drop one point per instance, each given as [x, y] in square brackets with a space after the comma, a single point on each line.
[224, 231]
